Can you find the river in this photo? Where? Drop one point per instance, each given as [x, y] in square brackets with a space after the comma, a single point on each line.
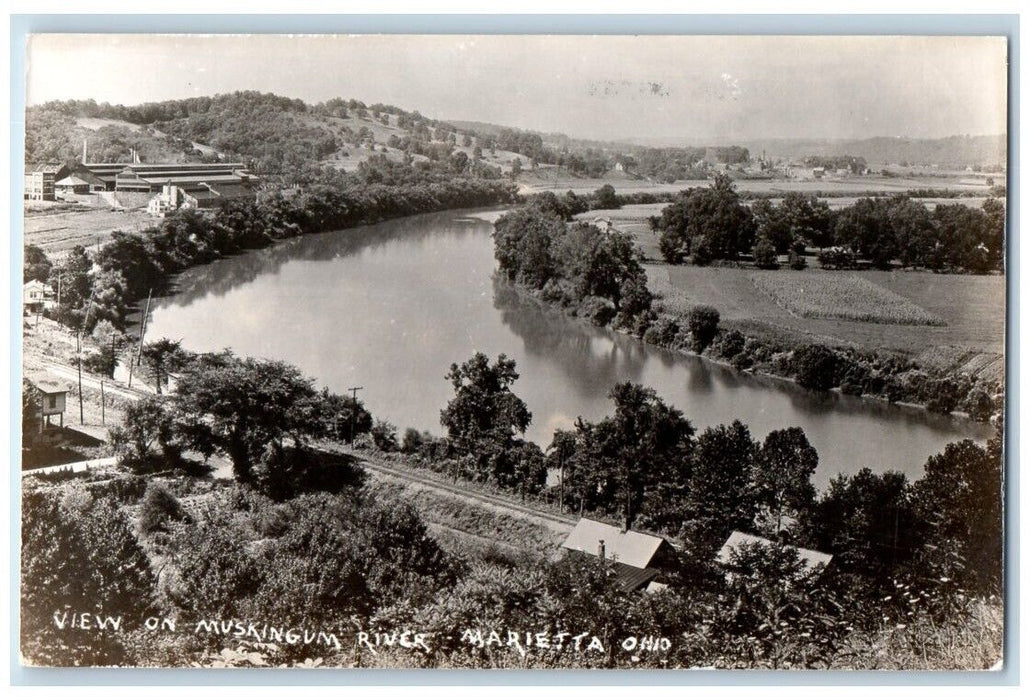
[389, 308]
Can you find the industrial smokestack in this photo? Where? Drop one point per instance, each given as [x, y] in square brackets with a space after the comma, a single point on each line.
[84, 151]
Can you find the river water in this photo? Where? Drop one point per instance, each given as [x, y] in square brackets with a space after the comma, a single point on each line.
[389, 308]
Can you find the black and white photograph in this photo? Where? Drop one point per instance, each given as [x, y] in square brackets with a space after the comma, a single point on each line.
[513, 351]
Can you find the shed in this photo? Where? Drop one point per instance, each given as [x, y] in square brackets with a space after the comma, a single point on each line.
[638, 558]
[54, 400]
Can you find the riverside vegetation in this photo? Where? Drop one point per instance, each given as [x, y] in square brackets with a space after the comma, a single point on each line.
[304, 540]
[597, 274]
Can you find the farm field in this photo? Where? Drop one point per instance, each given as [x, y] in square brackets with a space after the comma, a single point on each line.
[59, 227]
[973, 308]
[840, 296]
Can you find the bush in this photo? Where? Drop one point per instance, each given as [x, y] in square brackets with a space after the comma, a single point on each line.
[729, 344]
[384, 435]
[159, 509]
[815, 367]
[670, 247]
[765, 255]
[701, 251]
[838, 258]
[662, 332]
[599, 311]
[978, 405]
[796, 261]
[703, 324]
[942, 396]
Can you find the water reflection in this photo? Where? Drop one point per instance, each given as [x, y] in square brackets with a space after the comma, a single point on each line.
[390, 307]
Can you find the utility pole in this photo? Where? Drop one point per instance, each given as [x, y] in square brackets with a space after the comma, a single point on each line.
[78, 352]
[142, 330]
[353, 409]
[103, 420]
[82, 418]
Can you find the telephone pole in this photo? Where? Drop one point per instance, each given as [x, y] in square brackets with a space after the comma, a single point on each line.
[142, 330]
[353, 409]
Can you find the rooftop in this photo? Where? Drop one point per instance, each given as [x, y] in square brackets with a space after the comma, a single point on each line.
[625, 547]
[810, 557]
[48, 383]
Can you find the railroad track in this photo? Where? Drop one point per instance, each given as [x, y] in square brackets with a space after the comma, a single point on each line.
[410, 475]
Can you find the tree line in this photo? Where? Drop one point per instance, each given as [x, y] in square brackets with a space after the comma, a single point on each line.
[714, 223]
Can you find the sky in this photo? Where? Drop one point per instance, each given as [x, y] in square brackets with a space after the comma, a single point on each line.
[605, 87]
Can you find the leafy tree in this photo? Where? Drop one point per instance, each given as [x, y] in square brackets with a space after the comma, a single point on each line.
[715, 214]
[960, 500]
[75, 283]
[782, 474]
[605, 198]
[146, 426]
[703, 324]
[994, 231]
[484, 405]
[237, 407]
[869, 522]
[598, 263]
[163, 357]
[37, 265]
[765, 255]
[522, 245]
[485, 416]
[343, 417]
[31, 407]
[719, 497]
[384, 434]
[816, 367]
[637, 461]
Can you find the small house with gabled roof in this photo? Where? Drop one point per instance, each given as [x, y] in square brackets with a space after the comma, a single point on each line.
[638, 558]
[53, 401]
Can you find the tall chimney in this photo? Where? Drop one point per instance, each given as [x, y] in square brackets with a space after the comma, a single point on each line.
[600, 550]
[84, 151]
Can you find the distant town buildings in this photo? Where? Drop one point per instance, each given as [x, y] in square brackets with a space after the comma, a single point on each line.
[175, 185]
[40, 180]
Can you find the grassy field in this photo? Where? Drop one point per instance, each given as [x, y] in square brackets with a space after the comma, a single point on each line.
[840, 296]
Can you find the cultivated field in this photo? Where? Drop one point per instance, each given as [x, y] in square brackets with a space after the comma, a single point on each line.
[972, 306]
[57, 227]
[840, 296]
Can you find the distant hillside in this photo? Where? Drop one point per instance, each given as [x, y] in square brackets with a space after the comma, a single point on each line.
[953, 151]
[283, 137]
[53, 135]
